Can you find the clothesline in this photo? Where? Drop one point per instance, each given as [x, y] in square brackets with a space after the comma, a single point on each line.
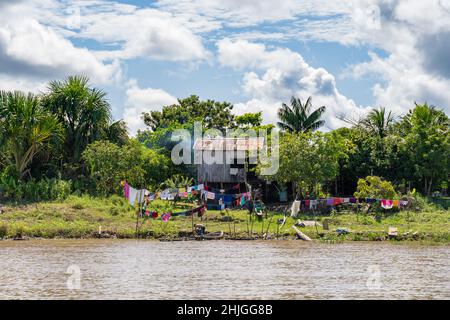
[140, 195]
[335, 201]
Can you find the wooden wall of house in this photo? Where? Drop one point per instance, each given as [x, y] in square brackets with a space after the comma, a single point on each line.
[218, 173]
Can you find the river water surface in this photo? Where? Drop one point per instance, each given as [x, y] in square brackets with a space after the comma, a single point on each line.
[129, 269]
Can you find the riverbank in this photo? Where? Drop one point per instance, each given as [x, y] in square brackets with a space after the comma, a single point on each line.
[85, 217]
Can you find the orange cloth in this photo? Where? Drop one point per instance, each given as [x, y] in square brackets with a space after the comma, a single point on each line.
[395, 203]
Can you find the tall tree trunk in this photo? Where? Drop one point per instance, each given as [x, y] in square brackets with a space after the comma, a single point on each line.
[429, 187]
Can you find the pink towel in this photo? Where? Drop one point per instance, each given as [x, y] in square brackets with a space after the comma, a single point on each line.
[165, 217]
[387, 204]
[126, 190]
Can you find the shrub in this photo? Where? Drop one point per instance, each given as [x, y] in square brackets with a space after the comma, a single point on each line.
[34, 190]
[376, 188]
[3, 230]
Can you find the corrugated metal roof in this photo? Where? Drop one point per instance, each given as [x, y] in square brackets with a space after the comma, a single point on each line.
[229, 144]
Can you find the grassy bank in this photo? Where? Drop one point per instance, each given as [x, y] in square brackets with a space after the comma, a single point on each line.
[81, 217]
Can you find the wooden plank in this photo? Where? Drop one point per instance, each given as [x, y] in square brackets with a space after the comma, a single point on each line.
[301, 234]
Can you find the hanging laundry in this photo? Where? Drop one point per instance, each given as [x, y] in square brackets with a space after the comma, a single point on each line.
[387, 204]
[346, 200]
[403, 203]
[330, 201]
[242, 200]
[133, 193]
[337, 201]
[126, 190]
[164, 194]
[165, 217]
[353, 200]
[141, 195]
[307, 202]
[228, 199]
[370, 200]
[295, 208]
[395, 203]
[210, 195]
[313, 204]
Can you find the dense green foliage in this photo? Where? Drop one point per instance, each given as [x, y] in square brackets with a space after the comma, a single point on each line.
[375, 188]
[64, 141]
[309, 160]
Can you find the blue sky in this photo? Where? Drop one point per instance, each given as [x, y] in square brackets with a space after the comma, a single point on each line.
[349, 56]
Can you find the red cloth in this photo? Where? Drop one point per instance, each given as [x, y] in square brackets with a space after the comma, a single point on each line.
[338, 201]
[307, 203]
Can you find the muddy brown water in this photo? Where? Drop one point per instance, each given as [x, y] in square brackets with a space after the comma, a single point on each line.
[129, 269]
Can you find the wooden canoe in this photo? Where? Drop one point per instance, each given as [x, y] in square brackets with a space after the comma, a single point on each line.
[213, 235]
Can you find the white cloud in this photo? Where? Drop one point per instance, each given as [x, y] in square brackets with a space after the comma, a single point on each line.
[416, 68]
[33, 53]
[241, 13]
[273, 76]
[147, 33]
[141, 100]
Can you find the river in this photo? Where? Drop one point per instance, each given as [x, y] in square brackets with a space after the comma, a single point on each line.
[130, 269]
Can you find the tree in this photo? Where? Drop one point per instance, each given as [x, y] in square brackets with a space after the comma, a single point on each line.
[427, 143]
[249, 120]
[109, 163]
[26, 129]
[117, 133]
[300, 117]
[308, 160]
[211, 113]
[84, 112]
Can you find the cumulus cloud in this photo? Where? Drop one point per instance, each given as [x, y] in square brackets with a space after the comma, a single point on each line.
[139, 100]
[274, 75]
[147, 33]
[32, 53]
[416, 67]
[37, 40]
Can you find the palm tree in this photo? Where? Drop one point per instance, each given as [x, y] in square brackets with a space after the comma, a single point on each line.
[27, 129]
[84, 112]
[300, 117]
[426, 116]
[378, 121]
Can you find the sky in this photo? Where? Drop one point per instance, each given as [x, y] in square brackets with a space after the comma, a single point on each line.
[350, 56]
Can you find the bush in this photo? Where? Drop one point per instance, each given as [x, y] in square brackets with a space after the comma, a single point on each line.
[3, 230]
[375, 188]
[33, 190]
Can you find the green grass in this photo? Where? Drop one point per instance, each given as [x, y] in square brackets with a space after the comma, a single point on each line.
[81, 217]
